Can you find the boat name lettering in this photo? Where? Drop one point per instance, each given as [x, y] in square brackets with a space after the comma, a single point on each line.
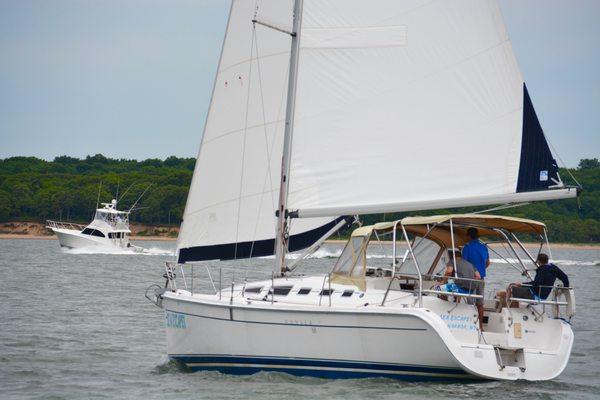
[175, 320]
[455, 318]
[298, 322]
[459, 322]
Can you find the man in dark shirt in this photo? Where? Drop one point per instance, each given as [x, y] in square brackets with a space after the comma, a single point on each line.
[541, 286]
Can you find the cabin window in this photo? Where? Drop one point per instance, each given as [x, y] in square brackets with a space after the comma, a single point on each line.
[326, 292]
[304, 291]
[92, 232]
[347, 293]
[256, 289]
[281, 290]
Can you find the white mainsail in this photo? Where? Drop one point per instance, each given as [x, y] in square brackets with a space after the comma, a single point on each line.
[410, 105]
[230, 211]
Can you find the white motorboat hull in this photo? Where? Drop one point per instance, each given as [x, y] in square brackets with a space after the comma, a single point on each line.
[406, 343]
[73, 239]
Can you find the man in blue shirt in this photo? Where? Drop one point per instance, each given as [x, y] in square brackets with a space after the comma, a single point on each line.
[476, 252]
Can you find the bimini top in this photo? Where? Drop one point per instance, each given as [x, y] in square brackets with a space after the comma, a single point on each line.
[511, 224]
[436, 227]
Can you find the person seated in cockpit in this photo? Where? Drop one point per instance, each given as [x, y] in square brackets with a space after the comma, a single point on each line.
[467, 285]
[538, 289]
[464, 269]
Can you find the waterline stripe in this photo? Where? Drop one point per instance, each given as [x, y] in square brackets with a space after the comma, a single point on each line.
[312, 362]
[312, 367]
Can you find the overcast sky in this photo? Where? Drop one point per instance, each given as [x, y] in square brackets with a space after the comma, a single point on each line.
[132, 78]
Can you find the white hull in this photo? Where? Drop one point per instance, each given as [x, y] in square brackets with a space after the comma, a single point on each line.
[73, 239]
[406, 342]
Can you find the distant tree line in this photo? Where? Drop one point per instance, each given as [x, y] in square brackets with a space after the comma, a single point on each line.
[67, 188]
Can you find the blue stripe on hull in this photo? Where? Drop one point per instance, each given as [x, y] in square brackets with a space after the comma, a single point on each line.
[319, 368]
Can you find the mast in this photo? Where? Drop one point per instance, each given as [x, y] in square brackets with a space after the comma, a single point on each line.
[281, 239]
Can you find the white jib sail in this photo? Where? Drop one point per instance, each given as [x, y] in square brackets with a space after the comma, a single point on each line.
[230, 211]
[401, 103]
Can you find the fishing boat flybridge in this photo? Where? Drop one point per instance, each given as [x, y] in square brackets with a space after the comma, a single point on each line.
[322, 110]
[110, 229]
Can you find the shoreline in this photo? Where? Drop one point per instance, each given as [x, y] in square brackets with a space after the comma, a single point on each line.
[4, 236]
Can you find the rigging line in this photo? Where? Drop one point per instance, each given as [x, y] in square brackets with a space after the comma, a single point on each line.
[502, 207]
[262, 100]
[560, 159]
[505, 258]
[268, 178]
[237, 230]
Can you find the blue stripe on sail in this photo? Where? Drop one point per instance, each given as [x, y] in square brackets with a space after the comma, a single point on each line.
[318, 368]
[258, 248]
[537, 166]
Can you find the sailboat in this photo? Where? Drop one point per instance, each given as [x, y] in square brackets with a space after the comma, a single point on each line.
[324, 110]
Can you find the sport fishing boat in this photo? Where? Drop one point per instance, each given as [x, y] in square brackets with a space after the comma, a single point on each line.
[110, 229]
[324, 110]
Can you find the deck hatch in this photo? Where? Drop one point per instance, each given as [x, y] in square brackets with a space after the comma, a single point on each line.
[281, 290]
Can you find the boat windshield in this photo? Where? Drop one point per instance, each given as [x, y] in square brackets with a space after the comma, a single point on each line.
[352, 261]
[112, 219]
[429, 255]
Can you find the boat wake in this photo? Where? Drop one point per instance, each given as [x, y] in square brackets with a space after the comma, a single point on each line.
[153, 251]
[557, 262]
[327, 253]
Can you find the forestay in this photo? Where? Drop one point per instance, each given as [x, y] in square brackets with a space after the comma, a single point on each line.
[411, 105]
[230, 211]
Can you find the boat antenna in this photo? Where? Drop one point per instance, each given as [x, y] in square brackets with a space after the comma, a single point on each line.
[117, 195]
[139, 198]
[124, 193]
[98, 199]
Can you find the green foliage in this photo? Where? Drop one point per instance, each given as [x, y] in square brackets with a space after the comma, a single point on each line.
[67, 188]
[589, 163]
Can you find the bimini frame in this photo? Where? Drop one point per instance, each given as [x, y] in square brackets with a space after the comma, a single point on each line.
[450, 231]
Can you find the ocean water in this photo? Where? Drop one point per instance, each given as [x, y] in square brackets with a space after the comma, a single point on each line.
[77, 326]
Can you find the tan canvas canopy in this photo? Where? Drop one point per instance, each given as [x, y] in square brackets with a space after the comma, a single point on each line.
[511, 224]
[488, 225]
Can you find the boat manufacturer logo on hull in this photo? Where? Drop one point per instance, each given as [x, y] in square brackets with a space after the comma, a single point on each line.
[175, 320]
